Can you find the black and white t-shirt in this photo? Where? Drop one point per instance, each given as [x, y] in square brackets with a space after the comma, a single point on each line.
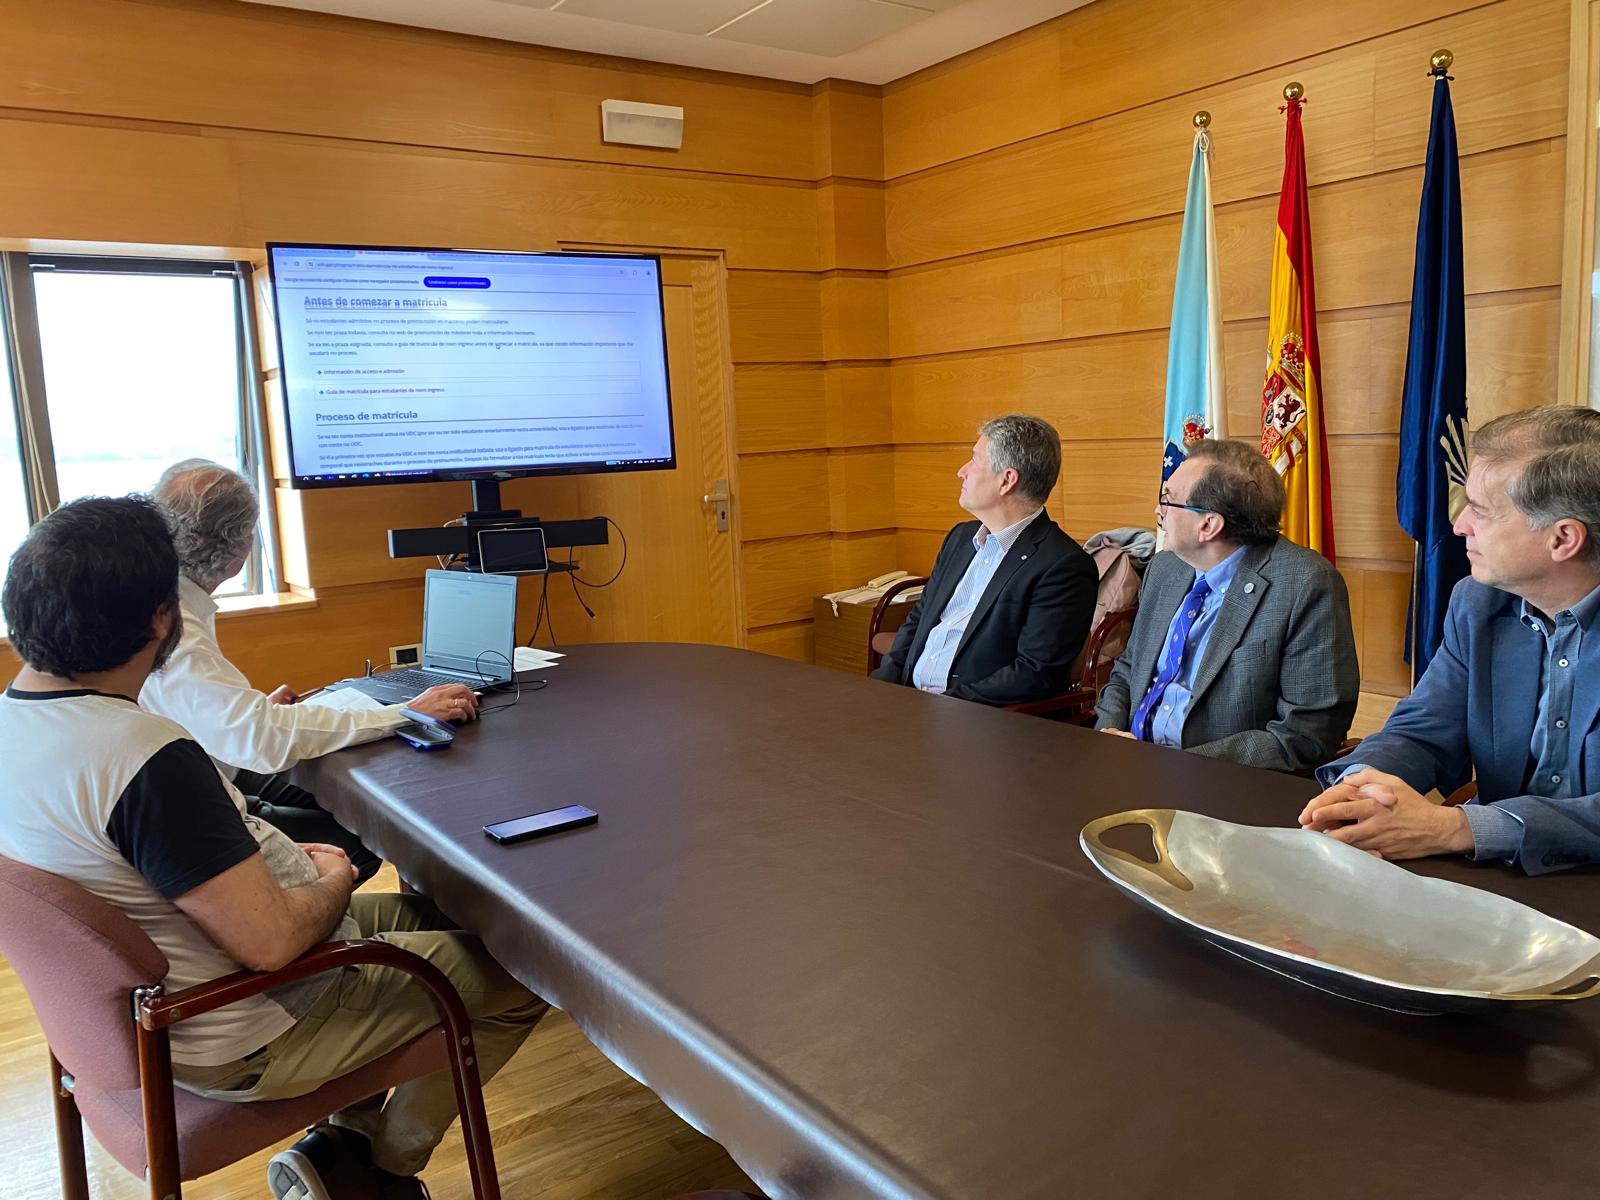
[126, 805]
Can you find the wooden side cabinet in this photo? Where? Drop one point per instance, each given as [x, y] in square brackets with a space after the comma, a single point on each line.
[841, 641]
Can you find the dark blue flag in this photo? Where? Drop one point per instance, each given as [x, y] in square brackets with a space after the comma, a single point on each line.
[1429, 488]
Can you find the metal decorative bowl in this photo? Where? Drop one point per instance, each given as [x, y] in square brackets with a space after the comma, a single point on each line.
[1338, 919]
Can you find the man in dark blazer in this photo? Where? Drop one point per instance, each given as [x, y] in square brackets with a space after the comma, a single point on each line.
[1008, 606]
[1243, 647]
[1514, 692]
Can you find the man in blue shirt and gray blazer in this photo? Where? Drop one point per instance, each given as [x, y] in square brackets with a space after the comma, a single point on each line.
[1011, 597]
[1514, 692]
[1242, 648]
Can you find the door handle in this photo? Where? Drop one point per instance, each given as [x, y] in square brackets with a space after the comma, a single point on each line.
[719, 496]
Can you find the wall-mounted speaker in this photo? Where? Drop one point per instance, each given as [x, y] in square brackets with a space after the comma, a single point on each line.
[633, 124]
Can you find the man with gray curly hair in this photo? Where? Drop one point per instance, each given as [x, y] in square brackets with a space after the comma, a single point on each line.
[254, 736]
[1011, 597]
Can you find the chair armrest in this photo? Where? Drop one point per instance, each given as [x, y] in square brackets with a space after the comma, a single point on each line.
[881, 607]
[1095, 672]
[1074, 698]
[154, 1009]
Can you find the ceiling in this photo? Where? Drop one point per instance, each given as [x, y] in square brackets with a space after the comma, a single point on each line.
[869, 41]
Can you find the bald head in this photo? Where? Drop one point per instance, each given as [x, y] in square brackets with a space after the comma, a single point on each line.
[212, 512]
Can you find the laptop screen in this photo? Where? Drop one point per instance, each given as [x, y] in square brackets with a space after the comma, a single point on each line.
[469, 623]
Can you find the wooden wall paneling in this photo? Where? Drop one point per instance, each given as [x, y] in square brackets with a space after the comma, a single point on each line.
[1121, 168]
[1003, 300]
[784, 494]
[1381, 635]
[999, 94]
[847, 130]
[916, 549]
[1365, 230]
[74, 181]
[782, 407]
[783, 576]
[792, 641]
[1107, 64]
[860, 490]
[1578, 240]
[775, 316]
[860, 409]
[1513, 345]
[383, 83]
[926, 487]
[1105, 485]
[1362, 471]
[1120, 280]
[855, 316]
[945, 399]
[850, 224]
[1130, 166]
[1088, 388]
[341, 193]
[1509, 81]
[858, 557]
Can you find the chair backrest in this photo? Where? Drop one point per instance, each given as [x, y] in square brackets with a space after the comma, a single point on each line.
[1119, 589]
[78, 958]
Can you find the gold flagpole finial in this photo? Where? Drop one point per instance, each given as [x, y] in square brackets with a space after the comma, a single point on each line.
[1293, 91]
[1202, 119]
[1441, 60]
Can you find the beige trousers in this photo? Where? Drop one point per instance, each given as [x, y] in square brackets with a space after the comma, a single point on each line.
[368, 1011]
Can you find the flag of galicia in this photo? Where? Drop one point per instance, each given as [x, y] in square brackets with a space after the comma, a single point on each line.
[1196, 398]
[1430, 484]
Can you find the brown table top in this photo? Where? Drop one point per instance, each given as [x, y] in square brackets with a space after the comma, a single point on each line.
[846, 929]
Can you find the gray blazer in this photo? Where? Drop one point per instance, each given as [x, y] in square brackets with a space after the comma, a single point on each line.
[1278, 682]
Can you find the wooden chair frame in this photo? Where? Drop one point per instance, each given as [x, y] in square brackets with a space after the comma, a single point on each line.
[155, 1012]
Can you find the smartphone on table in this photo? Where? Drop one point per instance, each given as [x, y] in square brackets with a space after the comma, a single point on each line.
[520, 829]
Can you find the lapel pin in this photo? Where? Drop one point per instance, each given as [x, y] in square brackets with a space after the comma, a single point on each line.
[1248, 588]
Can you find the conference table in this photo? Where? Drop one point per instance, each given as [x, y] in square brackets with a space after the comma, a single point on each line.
[846, 929]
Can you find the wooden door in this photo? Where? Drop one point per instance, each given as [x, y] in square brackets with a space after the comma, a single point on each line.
[681, 580]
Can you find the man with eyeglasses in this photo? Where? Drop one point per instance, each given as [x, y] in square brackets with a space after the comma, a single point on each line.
[1243, 647]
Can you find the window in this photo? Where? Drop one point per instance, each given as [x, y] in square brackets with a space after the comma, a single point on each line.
[126, 366]
[13, 492]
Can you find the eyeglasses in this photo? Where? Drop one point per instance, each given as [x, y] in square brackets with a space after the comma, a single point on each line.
[1166, 501]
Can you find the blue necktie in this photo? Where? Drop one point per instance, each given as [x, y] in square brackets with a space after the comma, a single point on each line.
[1177, 649]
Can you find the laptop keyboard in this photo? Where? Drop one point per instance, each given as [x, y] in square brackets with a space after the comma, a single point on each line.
[417, 680]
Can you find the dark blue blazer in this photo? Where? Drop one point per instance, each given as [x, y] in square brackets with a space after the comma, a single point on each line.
[1474, 710]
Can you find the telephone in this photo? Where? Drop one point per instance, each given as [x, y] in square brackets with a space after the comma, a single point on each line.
[874, 589]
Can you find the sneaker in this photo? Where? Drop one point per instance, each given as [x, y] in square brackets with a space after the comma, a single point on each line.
[323, 1165]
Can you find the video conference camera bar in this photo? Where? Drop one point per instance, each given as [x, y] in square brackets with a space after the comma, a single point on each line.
[438, 541]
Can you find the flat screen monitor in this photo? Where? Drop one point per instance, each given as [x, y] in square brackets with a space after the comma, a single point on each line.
[415, 365]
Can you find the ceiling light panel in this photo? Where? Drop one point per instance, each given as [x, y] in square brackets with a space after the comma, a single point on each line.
[679, 16]
[825, 27]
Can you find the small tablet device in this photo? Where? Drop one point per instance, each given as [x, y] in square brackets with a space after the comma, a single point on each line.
[512, 550]
[520, 829]
[425, 735]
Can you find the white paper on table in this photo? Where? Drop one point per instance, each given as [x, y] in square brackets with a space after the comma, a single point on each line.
[529, 659]
[344, 699]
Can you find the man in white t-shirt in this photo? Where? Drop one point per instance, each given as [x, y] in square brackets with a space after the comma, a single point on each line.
[124, 803]
[255, 736]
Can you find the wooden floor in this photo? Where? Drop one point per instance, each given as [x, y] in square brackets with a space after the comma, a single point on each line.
[567, 1126]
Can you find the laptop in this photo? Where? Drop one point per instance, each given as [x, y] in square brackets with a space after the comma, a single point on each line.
[469, 635]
